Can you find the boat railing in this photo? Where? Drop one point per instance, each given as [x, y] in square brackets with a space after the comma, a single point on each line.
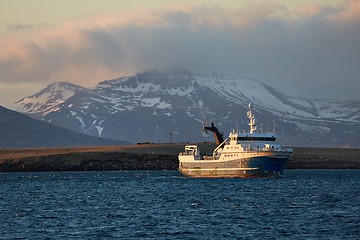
[278, 149]
[186, 153]
[265, 149]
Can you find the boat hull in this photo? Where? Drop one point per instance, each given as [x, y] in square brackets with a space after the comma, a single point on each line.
[263, 165]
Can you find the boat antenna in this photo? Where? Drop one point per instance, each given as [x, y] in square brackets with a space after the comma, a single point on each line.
[237, 124]
[266, 122]
[274, 125]
[252, 122]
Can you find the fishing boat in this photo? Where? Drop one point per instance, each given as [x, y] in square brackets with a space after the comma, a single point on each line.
[242, 155]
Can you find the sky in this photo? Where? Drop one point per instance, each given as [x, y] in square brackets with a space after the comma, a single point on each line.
[312, 46]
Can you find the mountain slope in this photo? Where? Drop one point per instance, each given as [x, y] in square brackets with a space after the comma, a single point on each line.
[20, 131]
[161, 107]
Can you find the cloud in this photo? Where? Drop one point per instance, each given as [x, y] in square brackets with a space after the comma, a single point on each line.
[349, 13]
[19, 27]
[315, 45]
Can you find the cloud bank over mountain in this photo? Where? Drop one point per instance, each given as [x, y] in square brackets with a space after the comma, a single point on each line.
[309, 46]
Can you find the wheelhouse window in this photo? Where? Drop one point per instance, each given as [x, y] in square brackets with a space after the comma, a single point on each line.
[265, 139]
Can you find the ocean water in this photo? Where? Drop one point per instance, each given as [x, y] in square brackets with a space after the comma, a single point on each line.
[303, 204]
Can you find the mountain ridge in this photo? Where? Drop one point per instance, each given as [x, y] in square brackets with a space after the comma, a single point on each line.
[165, 106]
[21, 131]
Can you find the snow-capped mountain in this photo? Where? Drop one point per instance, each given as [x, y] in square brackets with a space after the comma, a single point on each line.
[162, 107]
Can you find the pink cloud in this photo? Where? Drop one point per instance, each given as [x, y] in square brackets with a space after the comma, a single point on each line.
[72, 49]
[349, 13]
[255, 39]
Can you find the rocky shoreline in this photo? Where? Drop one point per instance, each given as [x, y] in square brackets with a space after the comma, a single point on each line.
[151, 157]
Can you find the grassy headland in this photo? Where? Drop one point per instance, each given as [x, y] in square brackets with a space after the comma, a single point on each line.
[151, 157]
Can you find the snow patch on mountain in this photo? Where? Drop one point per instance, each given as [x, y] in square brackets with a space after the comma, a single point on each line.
[81, 121]
[240, 90]
[180, 91]
[48, 100]
[154, 102]
[344, 111]
[141, 87]
[98, 127]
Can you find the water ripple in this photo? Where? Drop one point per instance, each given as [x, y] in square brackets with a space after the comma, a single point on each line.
[317, 204]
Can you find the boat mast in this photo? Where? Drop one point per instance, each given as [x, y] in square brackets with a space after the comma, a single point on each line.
[252, 123]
